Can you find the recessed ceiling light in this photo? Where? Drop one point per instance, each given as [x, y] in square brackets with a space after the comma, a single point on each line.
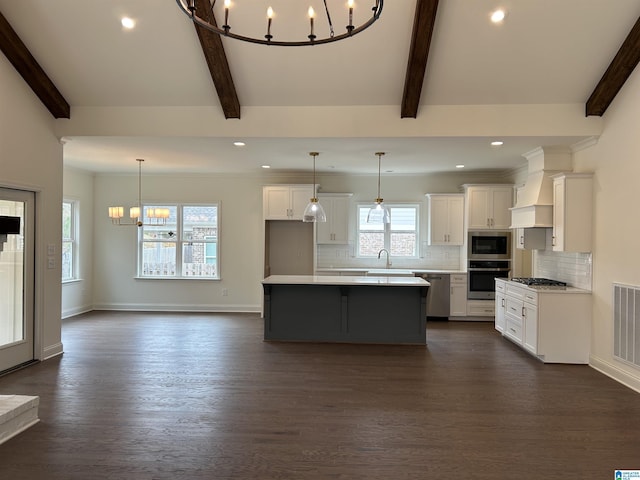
[460, 166]
[497, 16]
[266, 166]
[128, 23]
[239, 144]
[497, 143]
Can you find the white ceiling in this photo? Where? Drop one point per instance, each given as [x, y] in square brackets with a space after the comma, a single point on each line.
[545, 52]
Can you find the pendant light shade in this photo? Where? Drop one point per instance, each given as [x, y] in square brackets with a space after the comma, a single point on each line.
[314, 211]
[379, 213]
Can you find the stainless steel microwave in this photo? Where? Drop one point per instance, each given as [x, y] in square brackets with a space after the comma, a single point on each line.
[489, 245]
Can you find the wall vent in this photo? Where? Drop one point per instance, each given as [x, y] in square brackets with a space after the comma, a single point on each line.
[626, 323]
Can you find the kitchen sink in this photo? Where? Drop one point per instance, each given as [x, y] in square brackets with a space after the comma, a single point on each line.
[389, 272]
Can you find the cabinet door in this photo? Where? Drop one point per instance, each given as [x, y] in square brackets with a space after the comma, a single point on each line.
[558, 216]
[299, 198]
[456, 220]
[502, 201]
[438, 220]
[478, 204]
[500, 312]
[530, 320]
[276, 202]
[336, 228]
[458, 300]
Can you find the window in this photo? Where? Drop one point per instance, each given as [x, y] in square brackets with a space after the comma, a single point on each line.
[69, 240]
[400, 237]
[186, 247]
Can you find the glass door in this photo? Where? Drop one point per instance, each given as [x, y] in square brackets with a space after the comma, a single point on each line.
[16, 277]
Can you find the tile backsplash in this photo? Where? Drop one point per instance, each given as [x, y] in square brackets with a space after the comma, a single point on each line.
[431, 257]
[573, 268]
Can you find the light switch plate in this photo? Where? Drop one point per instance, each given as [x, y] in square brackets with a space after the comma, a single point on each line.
[51, 249]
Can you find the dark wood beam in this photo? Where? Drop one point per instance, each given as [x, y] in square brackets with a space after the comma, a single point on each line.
[22, 60]
[423, 24]
[216, 58]
[619, 70]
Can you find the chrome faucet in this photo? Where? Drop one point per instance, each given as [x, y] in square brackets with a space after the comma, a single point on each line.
[388, 259]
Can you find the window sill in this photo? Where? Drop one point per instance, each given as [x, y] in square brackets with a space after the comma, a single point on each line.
[72, 280]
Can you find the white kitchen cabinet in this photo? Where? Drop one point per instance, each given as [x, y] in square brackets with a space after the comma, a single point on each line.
[488, 207]
[337, 207]
[531, 238]
[285, 202]
[458, 295]
[446, 219]
[553, 325]
[572, 212]
[481, 308]
[500, 307]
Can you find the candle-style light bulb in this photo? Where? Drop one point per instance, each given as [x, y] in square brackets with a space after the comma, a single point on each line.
[227, 4]
[311, 15]
[268, 36]
[350, 5]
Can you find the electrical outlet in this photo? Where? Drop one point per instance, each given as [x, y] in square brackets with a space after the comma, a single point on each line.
[225, 292]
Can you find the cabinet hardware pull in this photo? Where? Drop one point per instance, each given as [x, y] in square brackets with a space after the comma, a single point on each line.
[512, 329]
[503, 302]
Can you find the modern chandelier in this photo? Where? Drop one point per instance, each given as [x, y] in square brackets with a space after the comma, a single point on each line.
[206, 20]
[152, 216]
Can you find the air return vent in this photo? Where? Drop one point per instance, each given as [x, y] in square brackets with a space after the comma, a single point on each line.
[626, 323]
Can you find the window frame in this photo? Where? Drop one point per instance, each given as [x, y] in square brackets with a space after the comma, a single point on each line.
[387, 230]
[180, 242]
[72, 240]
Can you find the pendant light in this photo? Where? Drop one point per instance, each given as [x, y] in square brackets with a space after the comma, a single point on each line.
[314, 211]
[378, 213]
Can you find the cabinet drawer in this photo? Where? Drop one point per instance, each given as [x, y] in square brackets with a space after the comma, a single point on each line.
[513, 329]
[458, 278]
[531, 297]
[514, 307]
[481, 309]
[515, 291]
[500, 286]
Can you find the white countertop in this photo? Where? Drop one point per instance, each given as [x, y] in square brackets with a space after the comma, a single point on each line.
[344, 280]
[364, 270]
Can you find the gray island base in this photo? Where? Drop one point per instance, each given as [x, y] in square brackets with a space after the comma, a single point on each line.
[307, 308]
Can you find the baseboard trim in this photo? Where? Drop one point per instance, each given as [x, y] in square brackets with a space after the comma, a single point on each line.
[52, 351]
[616, 373]
[155, 307]
[72, 312]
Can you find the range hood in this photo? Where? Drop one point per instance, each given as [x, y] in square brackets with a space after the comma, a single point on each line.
[534, 205]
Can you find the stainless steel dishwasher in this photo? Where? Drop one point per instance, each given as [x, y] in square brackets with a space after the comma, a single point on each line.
[438, 294]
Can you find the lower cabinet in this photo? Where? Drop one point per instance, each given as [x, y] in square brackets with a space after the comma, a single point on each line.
[500, 321]
[458, 295]
[552, 325]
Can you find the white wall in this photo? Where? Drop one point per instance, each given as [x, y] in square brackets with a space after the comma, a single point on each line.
[31, 159]
[241, 232]
[77, 295]
[616, 163]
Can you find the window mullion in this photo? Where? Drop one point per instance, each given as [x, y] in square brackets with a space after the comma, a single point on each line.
[179, 241]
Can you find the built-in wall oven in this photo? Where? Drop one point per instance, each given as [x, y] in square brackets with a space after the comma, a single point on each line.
[489, 256]
[481, 276]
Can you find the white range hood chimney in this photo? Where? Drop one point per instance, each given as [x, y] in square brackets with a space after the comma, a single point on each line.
[534, 206]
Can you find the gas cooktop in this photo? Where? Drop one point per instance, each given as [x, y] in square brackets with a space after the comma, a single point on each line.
[539, 282]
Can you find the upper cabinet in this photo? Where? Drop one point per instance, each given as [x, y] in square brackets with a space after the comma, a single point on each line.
[285, 202]
[488, 207]
[336, 229]
[531, 238]
[446, 219]
[572, 212]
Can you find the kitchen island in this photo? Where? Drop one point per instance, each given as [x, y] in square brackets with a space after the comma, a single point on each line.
[309, 308]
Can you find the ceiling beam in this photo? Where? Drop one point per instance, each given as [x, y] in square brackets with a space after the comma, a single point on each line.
[216, 58]
[619, 70]
[32, 73]
[423, 24]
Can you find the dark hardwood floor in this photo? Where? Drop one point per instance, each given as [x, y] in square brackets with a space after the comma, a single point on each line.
[201, 396]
